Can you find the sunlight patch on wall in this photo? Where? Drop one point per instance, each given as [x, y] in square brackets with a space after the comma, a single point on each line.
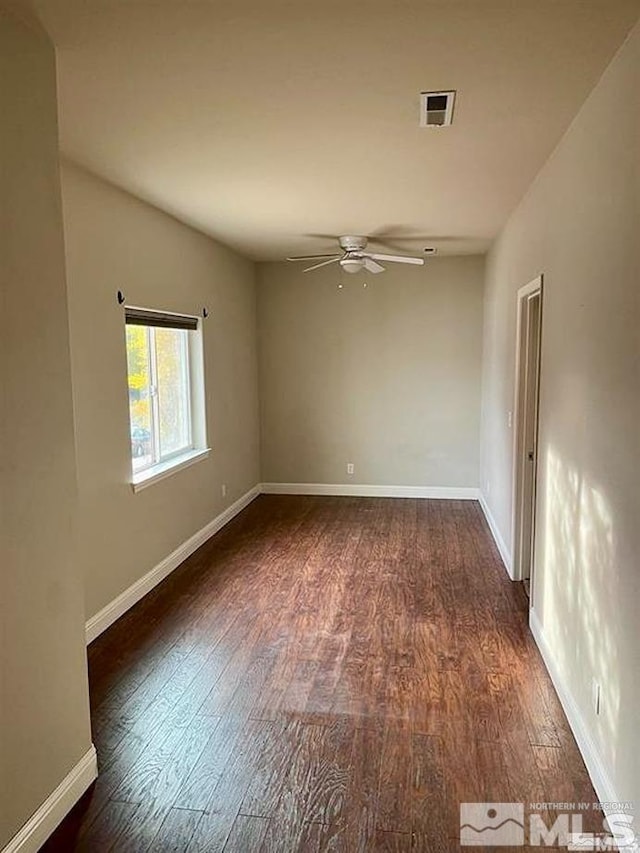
[576, 562]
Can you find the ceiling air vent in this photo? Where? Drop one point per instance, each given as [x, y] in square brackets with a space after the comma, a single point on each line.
[436, 108]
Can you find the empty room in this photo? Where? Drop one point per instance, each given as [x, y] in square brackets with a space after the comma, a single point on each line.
[320, 404]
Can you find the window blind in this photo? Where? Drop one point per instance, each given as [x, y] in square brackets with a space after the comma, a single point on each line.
[163, 319]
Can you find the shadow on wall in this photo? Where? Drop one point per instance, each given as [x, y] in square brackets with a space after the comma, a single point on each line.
[578, 556]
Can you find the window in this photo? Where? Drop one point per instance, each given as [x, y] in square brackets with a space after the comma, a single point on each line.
[160, 352]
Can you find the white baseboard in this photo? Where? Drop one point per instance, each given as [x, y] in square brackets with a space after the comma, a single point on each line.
[108, 615]
[366, 491]
[595, 765]
[57, 805]
[497, 537]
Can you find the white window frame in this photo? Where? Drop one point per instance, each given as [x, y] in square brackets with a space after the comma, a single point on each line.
[197, 448]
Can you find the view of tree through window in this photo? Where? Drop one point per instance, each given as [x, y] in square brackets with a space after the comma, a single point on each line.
[159, 399]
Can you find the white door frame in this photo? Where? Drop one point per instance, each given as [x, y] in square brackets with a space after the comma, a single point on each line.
[523, 294]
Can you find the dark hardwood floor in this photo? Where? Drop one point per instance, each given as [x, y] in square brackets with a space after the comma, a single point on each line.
[324, 674]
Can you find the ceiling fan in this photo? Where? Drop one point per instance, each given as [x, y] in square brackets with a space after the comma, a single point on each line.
[354, 257]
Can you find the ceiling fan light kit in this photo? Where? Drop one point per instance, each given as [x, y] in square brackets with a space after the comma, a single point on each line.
[352, 265]
[354, 257]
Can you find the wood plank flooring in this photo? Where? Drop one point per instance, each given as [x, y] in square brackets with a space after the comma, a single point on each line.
[326, 674]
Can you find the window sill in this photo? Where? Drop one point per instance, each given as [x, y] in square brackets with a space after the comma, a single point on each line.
[166, 469]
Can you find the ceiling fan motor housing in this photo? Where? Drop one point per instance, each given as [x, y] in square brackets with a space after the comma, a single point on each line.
[351, 243]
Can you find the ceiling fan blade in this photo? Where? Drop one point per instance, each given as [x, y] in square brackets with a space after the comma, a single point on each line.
[402, 244]
[323, 264]
[372, 265]
[397, 259]
[313, 257]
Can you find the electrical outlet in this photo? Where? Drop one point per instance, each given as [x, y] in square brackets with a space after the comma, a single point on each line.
[223, 489]
[596, 696]
[510, 419]
[351, 468]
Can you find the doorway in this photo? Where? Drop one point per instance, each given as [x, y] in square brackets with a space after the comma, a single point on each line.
[528, 340]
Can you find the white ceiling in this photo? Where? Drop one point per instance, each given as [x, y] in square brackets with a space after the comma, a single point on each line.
[261, 122]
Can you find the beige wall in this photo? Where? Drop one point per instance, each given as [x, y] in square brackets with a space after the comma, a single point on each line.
[385, 377]
[116, 242]
[44, 711]
[580, 225]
